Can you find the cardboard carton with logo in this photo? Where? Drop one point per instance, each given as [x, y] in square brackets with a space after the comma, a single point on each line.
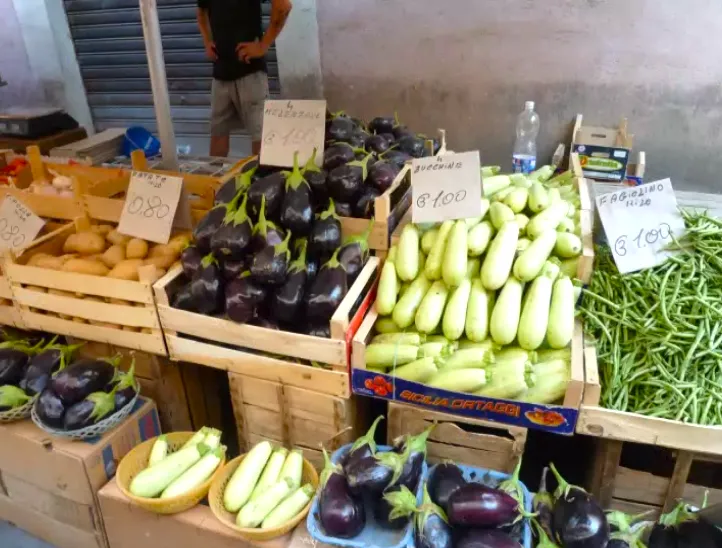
[603, 152]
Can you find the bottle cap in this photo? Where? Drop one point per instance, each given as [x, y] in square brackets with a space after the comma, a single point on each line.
[529, 105]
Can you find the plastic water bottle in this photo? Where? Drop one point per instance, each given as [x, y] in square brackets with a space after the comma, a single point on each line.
[527, 129]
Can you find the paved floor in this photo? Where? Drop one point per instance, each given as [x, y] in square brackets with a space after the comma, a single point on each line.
[12, 537]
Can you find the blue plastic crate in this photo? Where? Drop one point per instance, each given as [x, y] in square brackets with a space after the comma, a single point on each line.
[372, 535]
[491, 478]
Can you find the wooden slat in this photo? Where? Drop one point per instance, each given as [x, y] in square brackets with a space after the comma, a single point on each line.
[575, 388]
[585, 265]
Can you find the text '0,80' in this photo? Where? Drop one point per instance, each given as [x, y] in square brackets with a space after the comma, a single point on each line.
[151, 206]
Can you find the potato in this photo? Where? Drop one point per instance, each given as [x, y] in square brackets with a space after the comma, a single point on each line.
[131, 328]
[111, 300]
[36, 288]
[79, 320]
[103, 230]
[65, 258]
[33, 261]
[85, 243]
[160, 261]
[126, 270]
[162, 250]
[179, 243]
[60, 292]
[136, 249]
[113, 255]
[85, 266]
[104, 324]
[116, 238]
[53, 263]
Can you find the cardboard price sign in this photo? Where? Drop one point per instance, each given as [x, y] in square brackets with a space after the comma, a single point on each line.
[19, 226]
[292, 126]
[639, 223]
[152, 206]
[446, 187]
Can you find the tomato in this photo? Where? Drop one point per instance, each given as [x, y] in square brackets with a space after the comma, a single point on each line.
[368, 383]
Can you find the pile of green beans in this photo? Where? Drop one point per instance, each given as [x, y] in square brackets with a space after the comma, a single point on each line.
[659, 331]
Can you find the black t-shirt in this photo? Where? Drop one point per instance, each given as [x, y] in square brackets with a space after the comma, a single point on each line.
[233, 22]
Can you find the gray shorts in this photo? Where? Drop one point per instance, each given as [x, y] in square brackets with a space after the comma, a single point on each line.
[238, 104]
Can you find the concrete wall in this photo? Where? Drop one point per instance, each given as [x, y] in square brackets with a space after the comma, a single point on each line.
[469, 65]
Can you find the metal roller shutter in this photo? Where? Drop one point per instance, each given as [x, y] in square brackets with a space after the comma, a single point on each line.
[108, 40]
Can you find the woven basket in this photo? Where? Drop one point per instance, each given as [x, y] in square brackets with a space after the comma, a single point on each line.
[18, 413]
[92, 431]
[137, 460]
[215, 499]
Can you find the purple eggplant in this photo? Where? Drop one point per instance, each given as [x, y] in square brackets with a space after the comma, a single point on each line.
[326, 232]
[232, 268]
[190, 259]
[183, 299]
[297, 206]
[243, 297]
[377, 143]
[431, 528]
[371, 475]
[94, 408]
[337, 155]
[42, 366]
[126, 388]
[363, 447]
[400, 131]
[82, 378]
[363, 206]
[265, 232]
[543, 539]
[665, 533]
[287, 301]
[345, 181]
[323, 331]
[233, 237]
[207, 226]
[476, 505]
[266, 323]
[577, 521]
[50, 408]
[446, 479]
[312, 267]
[632, 540]
[357, 138]
[383, 124]
[411, 145]
[411, 473]
[340, 513]
[486, 538]
[695, 533]
[230, 188]
[394, 507]
[316, 179]
[354, 252]
[543, 504]
[271, 187]
[14, 356]
[340, 128]
[270, 265]
[207, 287]
[12, 397]
[327, 290]
[343, 209]
[382, 175]
[396, 157]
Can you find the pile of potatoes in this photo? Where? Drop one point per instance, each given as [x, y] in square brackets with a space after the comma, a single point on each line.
[103, 251]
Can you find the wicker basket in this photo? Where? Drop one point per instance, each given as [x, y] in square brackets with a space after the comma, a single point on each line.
[137, 460]
[215, 499]
[18, 413]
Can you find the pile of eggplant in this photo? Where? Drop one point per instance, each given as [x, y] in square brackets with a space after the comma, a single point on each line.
[26, 370]
[84, 392]
[270, 257]
[368, 481]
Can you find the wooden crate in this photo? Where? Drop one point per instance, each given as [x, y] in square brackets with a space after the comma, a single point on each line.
[507, 412]
[132, 325]
[234, 347]
[466, 441]
[295, 417]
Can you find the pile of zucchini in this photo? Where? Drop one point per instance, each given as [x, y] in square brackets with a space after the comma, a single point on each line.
[486, 305]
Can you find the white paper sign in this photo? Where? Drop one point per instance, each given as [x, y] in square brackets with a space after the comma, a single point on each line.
[19, 226]
[292, 126]
[639, 223]
[151, 206]
[446, 187]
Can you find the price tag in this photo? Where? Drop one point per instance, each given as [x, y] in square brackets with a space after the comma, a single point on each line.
[292, 126]
[639, 223]
[18, 225]
[446, 187]
[151, 206]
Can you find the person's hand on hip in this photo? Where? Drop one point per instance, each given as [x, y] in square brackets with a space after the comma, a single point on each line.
[250, 50]
[211, 52]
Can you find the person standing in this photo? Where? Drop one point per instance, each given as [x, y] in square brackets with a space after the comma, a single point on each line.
[235, 42]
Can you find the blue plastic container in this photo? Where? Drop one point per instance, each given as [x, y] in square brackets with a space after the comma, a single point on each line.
[139, 138]
[491, 478]
[372, 535]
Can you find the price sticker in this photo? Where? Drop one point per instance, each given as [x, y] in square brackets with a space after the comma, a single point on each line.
[446, 187]
[19, 226]
[639, 223]
[152, 207]
[290, 127]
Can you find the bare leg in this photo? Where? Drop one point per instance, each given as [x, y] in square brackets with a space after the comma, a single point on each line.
[256, 148]
[220, 145]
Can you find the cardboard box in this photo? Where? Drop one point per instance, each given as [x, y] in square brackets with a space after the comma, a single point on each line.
[603, 152]
[49, 486]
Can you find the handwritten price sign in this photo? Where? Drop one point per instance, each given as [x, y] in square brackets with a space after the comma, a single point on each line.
[18, 225]
[292, 126]
[446, 187]
[151, 206]
[640, 223]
